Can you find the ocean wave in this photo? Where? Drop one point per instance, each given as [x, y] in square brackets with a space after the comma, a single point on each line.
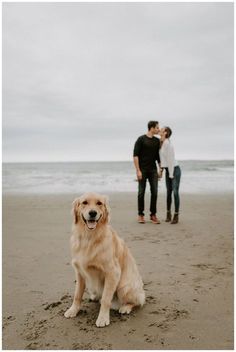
[109, 177]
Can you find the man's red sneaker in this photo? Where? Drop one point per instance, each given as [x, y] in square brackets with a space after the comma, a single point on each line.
[154, 219]
[141, 219]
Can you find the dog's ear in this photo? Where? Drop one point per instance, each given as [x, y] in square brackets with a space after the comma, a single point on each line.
[75, 205]
[107, 209]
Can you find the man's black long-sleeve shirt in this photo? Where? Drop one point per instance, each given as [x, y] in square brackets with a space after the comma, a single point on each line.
[147, 150]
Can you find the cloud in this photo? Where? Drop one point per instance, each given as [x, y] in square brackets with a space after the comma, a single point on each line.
[93, 74]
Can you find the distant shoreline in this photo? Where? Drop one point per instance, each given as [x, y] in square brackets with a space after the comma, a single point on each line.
[108, 161]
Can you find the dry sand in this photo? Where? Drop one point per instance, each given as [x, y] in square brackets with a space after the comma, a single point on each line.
[187, 270]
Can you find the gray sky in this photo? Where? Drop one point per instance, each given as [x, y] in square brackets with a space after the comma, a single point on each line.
[81, 80]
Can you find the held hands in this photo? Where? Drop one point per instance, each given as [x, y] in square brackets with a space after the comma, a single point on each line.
[159, 174]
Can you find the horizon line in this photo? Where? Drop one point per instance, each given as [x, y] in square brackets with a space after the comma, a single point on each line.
[99, 161]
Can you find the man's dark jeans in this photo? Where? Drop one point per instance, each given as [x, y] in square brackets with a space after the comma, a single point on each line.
[172, 185]
[152, 178]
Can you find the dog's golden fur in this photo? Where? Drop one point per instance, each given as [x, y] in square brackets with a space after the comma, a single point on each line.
[103, 263]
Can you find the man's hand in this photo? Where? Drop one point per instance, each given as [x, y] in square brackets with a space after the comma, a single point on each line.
[139, 175]
[159, 174]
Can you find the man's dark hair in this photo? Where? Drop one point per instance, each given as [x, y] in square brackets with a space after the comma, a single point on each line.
[152, 124]
[168, 132]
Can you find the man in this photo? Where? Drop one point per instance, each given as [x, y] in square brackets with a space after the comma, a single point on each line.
[146, 152]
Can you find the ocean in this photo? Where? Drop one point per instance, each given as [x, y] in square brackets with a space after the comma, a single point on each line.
[80, 177]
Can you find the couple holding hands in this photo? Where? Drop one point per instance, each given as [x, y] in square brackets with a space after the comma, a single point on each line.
[147, 150]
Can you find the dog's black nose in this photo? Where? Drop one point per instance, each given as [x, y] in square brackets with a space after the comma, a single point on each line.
[92, 213]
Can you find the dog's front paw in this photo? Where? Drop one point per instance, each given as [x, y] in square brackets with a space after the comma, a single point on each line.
[103, 320]
[72, 312]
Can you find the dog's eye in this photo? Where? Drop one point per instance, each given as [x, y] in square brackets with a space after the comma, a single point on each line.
[85, 202]
[99, 203]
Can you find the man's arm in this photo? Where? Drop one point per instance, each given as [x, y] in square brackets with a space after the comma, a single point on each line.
[137, 148]
[138, 171]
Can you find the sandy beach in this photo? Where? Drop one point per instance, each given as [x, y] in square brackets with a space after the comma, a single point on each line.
[187, 271]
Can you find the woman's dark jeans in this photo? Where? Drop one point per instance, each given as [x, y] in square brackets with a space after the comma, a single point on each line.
[172, 185]
[152, 178]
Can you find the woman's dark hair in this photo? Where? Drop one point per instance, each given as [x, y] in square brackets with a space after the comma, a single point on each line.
[168, 132]
[152, 124]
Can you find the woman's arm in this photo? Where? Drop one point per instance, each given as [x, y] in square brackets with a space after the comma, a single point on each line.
[171, 160]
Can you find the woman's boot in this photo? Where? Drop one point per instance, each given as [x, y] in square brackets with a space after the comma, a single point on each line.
[175, 219]
[168, 216]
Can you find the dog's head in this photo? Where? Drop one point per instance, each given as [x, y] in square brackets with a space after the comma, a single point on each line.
[91, 210]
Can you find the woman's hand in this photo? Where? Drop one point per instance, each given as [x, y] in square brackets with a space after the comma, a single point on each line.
[160, 174]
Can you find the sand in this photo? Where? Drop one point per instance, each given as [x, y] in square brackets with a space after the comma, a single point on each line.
[187, 270]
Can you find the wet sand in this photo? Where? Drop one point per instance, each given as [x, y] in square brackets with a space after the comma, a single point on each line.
[187, 271]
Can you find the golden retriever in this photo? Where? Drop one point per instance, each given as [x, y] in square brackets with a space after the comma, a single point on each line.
[103, 263]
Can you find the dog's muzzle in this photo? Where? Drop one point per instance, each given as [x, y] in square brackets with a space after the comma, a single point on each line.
[92, 220]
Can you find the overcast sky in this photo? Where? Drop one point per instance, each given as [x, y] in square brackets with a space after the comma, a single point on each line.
[81, 80]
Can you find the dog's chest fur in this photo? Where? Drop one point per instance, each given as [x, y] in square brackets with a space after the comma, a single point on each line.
[83, 262]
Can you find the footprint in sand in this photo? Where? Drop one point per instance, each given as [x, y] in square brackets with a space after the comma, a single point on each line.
[150, 299]
[34, 330]
[52, 305]
[176, 313]
[149, 338]
[166, 316]
[215, 269]
[32, 346]
[155, 312]
[65, 297]
[147, 283]
[131, 331]
[7, 320]
[192, 337]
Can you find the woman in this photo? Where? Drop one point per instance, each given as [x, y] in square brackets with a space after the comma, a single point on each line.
[173, 173]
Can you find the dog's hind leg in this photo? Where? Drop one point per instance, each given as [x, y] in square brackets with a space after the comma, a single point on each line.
[129, 299]
[126, 299]
[126, 308]
[115, 304]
